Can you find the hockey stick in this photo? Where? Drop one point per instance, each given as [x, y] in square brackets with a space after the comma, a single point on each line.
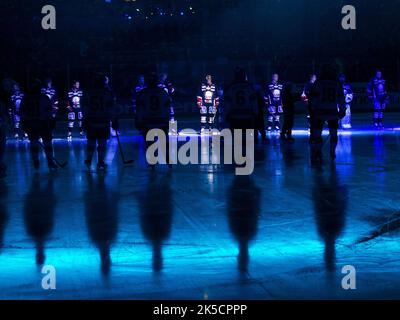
[121, 151]
[60, 164]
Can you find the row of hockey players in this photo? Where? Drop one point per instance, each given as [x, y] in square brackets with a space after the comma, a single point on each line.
[277, 99]
[326, 101]
[36, 116]
[275, 103]
[326, 104]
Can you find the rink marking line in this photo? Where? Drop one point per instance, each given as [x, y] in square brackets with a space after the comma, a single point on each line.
[296, 132]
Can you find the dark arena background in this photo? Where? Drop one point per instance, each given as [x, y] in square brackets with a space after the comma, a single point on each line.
[316, 218]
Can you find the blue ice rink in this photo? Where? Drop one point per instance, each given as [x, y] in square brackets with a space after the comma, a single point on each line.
[200, 232]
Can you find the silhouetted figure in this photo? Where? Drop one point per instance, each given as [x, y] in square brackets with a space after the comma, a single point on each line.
[289, 99]
[156, 213]
[4, 216]
[140, 85]
[38, 122]
[165, 84]
[154, 110]
[244, 198]
[330, 202]
[39, 206]
[101, 210]
[4, 123]
[260, 118]
[326, 105]
[99, 111]
[240, 100]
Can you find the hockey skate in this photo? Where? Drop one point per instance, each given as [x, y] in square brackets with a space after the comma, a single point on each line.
[277, 126]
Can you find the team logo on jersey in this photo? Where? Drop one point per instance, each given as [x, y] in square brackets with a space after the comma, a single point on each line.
[208, 95]
[276, 93]
[75, 101]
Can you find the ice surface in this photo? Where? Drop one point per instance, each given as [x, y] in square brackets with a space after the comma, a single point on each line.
[199, 231]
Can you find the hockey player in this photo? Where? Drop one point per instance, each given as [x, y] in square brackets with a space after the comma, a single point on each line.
[51, 93]
[141, 84]
[74, 108]
[273, 101]
[3, 135]
[348, 95]
[326, 104]
[16, 98]
[166, 85]
[169, 88]
[241, 102]
[154, 109]
[208, 102]
[306, 93]
[260, 119]
[377, 94]
[99, 112]
[38, 122]
[289, 99]
[109, 88]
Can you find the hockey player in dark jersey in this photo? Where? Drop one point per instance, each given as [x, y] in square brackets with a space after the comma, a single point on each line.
[154, 110]
[74, 108]
[240, 102]
[4, 124]
[51, 93]
[326, 104]
[260, 119]
[273, 101]
[108, 86]
[348, 96]
[99, 111]
[377, 94]
[165, 84]
[141, 84]
[16, 97]
[306, 93]
[37, 121]
[289, 98]
[208, 102]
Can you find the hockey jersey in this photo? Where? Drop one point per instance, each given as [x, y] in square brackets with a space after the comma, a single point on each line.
[274, 94]
[51, 93]
[208, 95]
[240, 100]
[153, 107]
[377, 89]
[74, 98]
